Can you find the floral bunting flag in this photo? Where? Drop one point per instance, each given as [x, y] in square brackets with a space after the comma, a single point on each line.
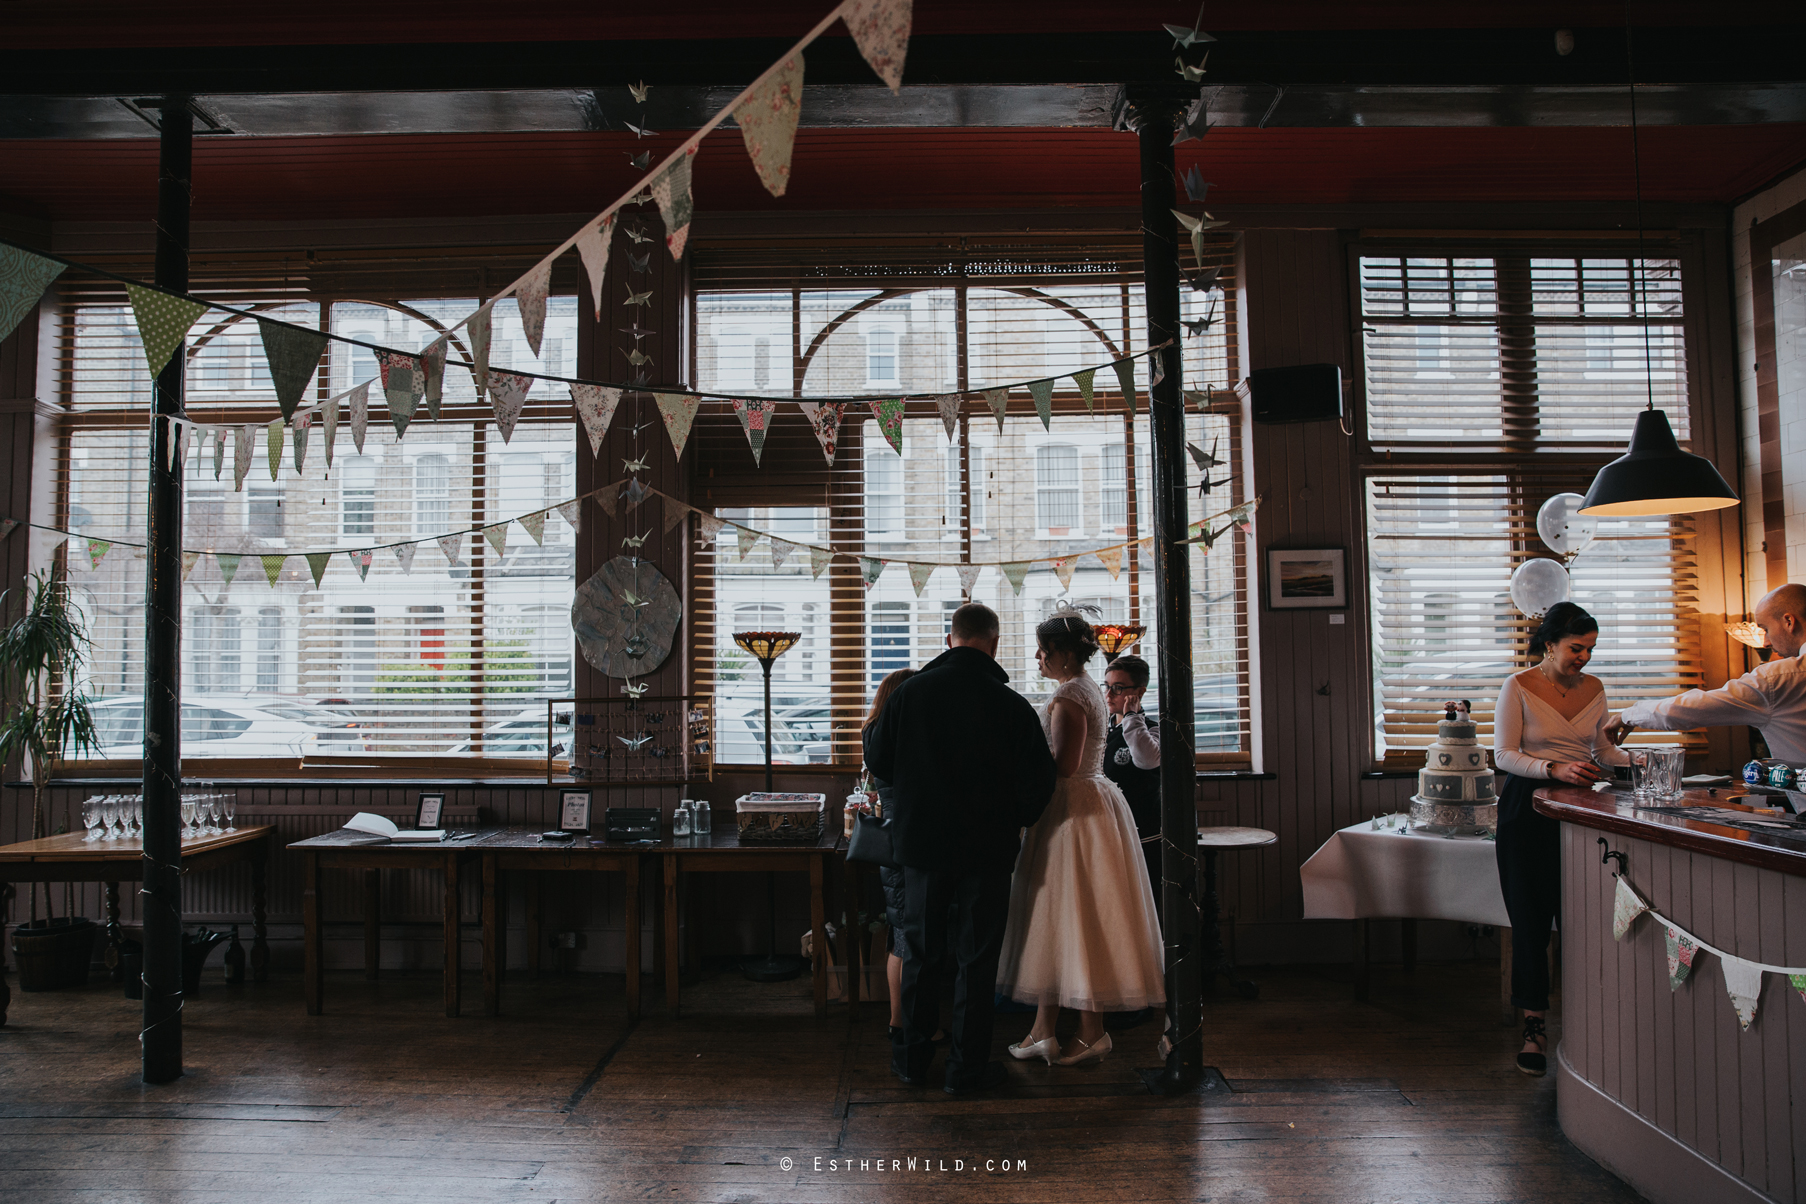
[272, 565]
[1063, 570]
[755, 416]
[450, 545]
[507, 396]
[530, 296]
[1042, 392]
[360, 560]
[228, 566]
[241, 454]
[1799, 984]
[1112, 560]
[948, 404]
[675, 513]
[1743, 983]
[272, 445]
[999, 401]
[404, 384]
[919, 573]
[1681, 949]
[189, 560]
[889, 413]
[97, 551]
[535, 525]
[819, 559]
[880, 29]
[163, 322]
[968, 577]
[1125, 377]
[671, 192]
[329, 426]
[678, 411]
[747, 539]
[1085, 381]
[303, 422]
[572, 514]
[219, 453]
[707, 528]
[1016, 573]
[23, 279]
[404, 553]
[767, 120]
[497, 535]
[596, 406]
[592, 248]
[316, 564]
[824, 419]
[432, 363]
[294, 355]
[870, 569]
[605, 498]
[479, 328]
[1626, 907]
[780, 551]
[358, 407]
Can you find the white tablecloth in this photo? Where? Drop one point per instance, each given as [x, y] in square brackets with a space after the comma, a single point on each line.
[1363, 874]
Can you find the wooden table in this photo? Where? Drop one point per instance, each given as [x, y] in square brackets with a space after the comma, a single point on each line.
[74, 858]
[721, 852]
[522, 849]
[344, 849]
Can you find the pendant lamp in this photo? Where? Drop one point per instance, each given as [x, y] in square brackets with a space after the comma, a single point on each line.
[1656, 477]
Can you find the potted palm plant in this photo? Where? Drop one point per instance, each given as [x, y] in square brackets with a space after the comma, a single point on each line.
[41, 653]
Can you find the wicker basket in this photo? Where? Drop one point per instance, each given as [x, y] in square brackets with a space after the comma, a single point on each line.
[781, 818]
[53, 955]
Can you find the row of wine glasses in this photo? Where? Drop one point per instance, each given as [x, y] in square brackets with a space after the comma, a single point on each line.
[121, 816]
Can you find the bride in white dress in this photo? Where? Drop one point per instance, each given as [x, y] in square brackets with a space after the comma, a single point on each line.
[1082, 931]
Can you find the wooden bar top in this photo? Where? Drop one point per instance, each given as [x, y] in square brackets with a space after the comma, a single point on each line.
[75, 846]
[1781, 848]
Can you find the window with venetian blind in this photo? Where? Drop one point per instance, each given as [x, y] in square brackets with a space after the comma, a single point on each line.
[921, 319]
[431, 660]
[1492, 383]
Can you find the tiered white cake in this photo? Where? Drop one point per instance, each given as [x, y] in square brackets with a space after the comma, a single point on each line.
[1454, 788]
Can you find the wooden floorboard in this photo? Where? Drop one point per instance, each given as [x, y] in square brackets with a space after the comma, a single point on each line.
[1409, 1097]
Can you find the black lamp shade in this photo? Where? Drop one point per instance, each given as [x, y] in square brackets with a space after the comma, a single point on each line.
[1656, 477]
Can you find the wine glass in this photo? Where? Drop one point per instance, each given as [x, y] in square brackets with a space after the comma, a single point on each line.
[109, 815]
[91, 816]
[228, 804]
[187, 814]
[210, 803]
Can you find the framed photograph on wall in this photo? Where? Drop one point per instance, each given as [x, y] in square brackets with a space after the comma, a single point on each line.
[573, 811]
[1307, 578]
[430, 813]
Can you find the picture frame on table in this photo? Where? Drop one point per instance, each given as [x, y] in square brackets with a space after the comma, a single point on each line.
[573, 810]
[430, 814]
[1307, 578]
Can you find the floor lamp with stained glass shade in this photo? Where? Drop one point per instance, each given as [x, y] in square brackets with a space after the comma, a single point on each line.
[1117, 638]
[766, 647]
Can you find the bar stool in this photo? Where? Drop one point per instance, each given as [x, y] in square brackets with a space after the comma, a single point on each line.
[1212, 841]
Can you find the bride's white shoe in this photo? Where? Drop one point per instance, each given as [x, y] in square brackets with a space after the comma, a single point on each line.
[1027, 1051]
[1085, 1054]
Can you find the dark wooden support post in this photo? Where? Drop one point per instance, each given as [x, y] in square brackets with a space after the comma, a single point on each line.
[162, 1035]
[1153, 115]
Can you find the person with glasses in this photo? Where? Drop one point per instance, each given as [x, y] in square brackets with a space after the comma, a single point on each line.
[1132, 756]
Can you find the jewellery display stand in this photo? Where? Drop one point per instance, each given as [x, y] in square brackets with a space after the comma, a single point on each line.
[662, 741]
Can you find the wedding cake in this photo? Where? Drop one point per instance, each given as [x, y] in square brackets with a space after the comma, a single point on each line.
[1454, 788]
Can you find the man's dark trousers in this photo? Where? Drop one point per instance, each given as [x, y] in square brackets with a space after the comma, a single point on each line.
[976, 937]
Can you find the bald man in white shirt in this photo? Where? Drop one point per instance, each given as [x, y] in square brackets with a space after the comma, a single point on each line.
[1770, 697]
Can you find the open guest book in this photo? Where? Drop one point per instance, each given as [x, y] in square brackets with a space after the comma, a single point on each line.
[377, 825]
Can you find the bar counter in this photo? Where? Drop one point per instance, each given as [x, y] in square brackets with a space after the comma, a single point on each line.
[1664, 1087]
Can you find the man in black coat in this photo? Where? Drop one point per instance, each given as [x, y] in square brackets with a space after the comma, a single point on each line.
[969, 767]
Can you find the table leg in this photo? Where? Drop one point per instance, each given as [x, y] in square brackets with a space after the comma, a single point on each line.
[818, 924]
[1363, 972]
[673, 998]
[854, 935]
[373, 923]
[1407, 935]
[313, 973]
[533, 933]
[6, 992]
[260, 929]
[115, 935]
[632, 919]
[453, 966]
[1508, 1015]
[493, 919]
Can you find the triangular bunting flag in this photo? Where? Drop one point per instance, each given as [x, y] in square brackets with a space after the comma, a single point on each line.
[999, 401]
[1042, 392]
[948, 405]
[189, 560]
[635, 493]
[97, 551]
[316, 564]
[889, 413]
[1799, 984]
[1626, 907]
[780, 551]
[228, 565]
[498, 538]
[294, 356]
[824, 418]
[329, 426]
[592, 248]
[880, 29]
[1125, 379]
[919, 574]
[404, 552]
[530, 296]
[507, 396]
[1680, 956]
[819, 559]
[707, 528]
[404, 384]
[535, 525]
[432, 363]
[1112, 560]
[1743, 983]
[178, 449]
[479, 328]
[302, 423]
[1156, 368]
[767, 119]
[272, 445]
[606, 497]
[23, 279]
[572, 514]
[870, 569]
[358, 406]
[451, 546]
[679, 411]
[219, 453]
[675, 513]
[360, 560]
[1063, 570]
[272, 565]
[242, 439]
[596, 406]
[747, 538]
[754, 415]
[1085, 380]
[1016, 573]
[7, 526]
[671, 192]
[163, 322]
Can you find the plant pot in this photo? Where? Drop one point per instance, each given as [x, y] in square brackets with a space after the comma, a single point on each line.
[53, 955]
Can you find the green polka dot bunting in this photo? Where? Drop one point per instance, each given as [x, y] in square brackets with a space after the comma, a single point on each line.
[23, 279]
[163, 322]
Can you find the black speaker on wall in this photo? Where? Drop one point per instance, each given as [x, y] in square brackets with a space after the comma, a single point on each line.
[1305, 393]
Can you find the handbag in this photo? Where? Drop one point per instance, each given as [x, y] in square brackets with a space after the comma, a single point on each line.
[870, 843]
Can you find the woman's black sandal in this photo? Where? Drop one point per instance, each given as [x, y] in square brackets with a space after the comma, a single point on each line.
[1535, 1064]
